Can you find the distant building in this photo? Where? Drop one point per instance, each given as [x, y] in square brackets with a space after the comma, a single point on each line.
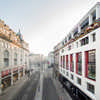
[34, 61]
[51, 59]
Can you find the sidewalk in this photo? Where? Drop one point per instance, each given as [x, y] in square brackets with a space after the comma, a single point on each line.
[63, 95]
[11, 91]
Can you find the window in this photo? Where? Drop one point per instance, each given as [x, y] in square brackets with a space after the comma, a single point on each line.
[79, 81]
[85, 24]
[90, 88]
[69, 37]
[71, 63]
[94, 37]
[72, 77]
[6, 58]
[69, 47]
[79, 63]
[77, 44]
[84, 41]
[15, 59]
[63, 61]
[67, 74]
[94, 16]
[91, 64]
[75, 32]
[67, 63]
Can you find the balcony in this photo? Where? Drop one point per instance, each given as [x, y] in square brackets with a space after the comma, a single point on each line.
[72, 66]
[79, 68]
[91, 71]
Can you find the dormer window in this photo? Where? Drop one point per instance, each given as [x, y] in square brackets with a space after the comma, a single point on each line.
[75, 32]
[94, 16]
[69, 37]
[85, 23]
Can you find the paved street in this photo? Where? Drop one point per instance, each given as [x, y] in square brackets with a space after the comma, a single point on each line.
[49, 91]
[27, 92]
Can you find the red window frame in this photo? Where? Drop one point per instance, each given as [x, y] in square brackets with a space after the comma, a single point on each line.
[70, 61]
[66, 61]
[63, 61]
[76, 61]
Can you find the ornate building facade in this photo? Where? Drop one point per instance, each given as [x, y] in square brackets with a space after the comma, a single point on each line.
[14, 52]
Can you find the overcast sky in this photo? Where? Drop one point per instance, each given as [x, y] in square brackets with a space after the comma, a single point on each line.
[43, 23]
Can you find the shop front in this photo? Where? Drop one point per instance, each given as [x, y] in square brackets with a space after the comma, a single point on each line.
[5, 79]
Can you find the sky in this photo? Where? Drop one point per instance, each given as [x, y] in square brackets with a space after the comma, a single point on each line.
[43, 23]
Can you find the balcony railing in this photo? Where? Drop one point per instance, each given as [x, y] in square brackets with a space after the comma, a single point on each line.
[91, 71]
[72, 66]
[79, 68]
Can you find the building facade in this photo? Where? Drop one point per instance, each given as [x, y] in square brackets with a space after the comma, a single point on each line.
[34, 61]
[14, 53]
[79, 56]
[51, 59]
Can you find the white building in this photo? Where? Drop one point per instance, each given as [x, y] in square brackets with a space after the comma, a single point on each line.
[79, 55]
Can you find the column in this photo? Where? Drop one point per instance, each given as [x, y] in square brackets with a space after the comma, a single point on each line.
[11, 76]
[74, 58]
[90, 19]
[97, 11]
[83, 64]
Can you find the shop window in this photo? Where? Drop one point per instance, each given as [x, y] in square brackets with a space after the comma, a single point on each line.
[79, 81]
[90, 88]
[6, 58]
[79, 63]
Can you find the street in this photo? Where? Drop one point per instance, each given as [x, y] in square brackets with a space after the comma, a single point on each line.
[49, 91]
[27, 92]
[39, 86]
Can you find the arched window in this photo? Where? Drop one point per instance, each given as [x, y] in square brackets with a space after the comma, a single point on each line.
[15, 59]
[6, 58]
